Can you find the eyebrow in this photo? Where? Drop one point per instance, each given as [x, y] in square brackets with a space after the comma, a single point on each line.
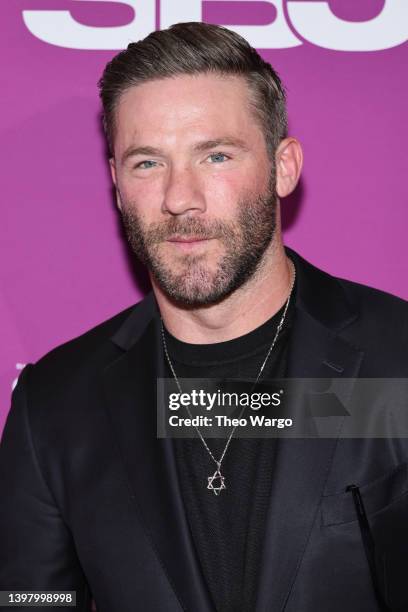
[133, 151]
[226, 141]
[206, 145]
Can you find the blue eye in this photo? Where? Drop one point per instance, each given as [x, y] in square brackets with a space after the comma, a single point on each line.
[150, 163]
[216, 157]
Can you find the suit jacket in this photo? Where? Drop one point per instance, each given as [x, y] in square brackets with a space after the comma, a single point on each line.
[90, 499]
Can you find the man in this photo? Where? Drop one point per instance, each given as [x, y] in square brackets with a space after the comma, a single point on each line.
[92, 500]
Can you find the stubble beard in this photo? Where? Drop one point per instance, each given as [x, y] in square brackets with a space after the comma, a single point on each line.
[195, 284]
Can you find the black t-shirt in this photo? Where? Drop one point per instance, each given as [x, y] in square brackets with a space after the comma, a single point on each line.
[227, 529]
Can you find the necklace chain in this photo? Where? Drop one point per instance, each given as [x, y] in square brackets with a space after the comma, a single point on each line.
[217, 474]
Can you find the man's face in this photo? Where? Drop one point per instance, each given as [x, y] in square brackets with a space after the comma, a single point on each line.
[195, 185]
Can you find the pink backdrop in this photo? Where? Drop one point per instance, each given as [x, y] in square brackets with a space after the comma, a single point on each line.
[64, 265]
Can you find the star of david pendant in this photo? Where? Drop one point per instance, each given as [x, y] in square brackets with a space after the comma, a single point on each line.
[219, 479]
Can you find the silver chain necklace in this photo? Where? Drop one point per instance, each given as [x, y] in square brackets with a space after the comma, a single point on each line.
[216, 482]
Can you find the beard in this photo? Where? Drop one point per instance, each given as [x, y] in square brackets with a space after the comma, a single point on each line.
[187, 278]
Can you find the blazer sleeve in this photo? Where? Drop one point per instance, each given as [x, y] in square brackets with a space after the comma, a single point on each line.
[37, 550]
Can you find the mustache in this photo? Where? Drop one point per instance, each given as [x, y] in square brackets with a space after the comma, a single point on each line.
[191, 226]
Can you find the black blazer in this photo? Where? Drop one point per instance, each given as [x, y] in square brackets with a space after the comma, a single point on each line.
[90, 499]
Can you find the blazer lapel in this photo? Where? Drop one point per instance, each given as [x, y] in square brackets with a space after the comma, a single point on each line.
[130, 388]
[301, 467]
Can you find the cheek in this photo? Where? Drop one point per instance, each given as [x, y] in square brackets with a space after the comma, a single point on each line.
[144, 196]
[224, 193]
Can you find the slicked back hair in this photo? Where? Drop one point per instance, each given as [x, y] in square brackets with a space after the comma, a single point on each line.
[196, 48]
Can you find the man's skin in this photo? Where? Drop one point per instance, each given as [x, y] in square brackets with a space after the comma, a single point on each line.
[173, 115]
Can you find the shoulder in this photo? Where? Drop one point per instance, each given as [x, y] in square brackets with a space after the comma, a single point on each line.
[381, 329]
[90, 352]
[370, 320]
[59, 399]
[376, 305]
[334, 300]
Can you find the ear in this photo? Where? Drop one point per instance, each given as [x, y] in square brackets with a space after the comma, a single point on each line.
[289, 161]
[112, 166]
[114, 179]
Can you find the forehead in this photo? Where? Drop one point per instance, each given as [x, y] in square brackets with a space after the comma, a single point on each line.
[184, 105]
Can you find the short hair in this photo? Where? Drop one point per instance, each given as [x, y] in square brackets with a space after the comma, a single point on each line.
[193, 48]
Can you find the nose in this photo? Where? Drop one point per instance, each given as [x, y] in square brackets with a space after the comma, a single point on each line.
[182, 192]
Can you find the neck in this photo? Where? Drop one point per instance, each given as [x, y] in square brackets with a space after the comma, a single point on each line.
[239, 313]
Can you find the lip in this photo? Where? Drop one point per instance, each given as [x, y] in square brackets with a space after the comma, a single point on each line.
[187, 242]
[187, 239]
